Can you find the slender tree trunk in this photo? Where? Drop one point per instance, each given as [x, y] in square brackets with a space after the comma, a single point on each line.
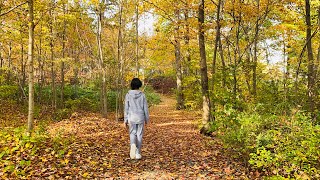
[216, 45]
[9, 62]
[187, 42]
[286, 76]
[63, 57]
[119, 101]
[177, 49]
[53, 83]
[30, 67]
[247, 68]
[224, 74]
[318, 62]
[1, 59]
[255, 54]
[137, 37]
[235, 58]
[204, 72]
[102, 67]
[311, 80]
[23, 64]
[40, 66]
[318, 55]
[23, 74]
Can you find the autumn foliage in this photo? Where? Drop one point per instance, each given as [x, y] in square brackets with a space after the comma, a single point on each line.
[251, 68]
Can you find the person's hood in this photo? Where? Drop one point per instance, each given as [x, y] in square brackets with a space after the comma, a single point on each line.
[135, 93]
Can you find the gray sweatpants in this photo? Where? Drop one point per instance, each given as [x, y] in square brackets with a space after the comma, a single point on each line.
[136, 133]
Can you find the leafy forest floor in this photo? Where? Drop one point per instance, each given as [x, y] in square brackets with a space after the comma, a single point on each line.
[99, 148]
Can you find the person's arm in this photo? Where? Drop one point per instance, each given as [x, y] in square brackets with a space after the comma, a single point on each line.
[126, 109]
[145, 108]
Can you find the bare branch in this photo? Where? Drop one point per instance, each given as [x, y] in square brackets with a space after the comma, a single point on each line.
[13, 8]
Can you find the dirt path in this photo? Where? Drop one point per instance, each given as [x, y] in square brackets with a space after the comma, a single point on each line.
[172, 149]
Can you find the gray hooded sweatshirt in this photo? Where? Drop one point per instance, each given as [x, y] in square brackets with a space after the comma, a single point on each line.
[136, 108]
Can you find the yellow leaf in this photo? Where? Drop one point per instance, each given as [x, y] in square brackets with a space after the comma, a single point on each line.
[93, 162]
[85, 174]
[69, 153]
[43, 159]
[28, 145]
[66, 161]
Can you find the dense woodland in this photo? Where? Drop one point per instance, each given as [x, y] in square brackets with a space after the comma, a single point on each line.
[251, 67]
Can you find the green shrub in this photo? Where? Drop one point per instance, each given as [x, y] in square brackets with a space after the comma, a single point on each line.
[8, 92]
[280, 145]
[112, 97]
[192, 97]
[153, 98]
[294, 148]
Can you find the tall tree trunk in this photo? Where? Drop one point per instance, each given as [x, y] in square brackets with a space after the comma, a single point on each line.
[235, 58]
[63, 57]
[119, 101]
[285, 76]
[9, 62]
[311, 80]
[223, 64]
[224, 74]
[40, 66]
[23, 72]
[216, 45]
[102, 67]
[1, 59]
[247, 68]
[204, 72]
[177, 49]
[255, 54]
[137, 37]
[187, 41]
[318, 55]
[53, 83]
[30, 67]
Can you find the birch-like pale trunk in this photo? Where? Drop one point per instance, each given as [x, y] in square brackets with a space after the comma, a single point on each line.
[30, 67]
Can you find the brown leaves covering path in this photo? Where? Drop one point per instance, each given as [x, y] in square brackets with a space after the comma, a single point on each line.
[172, 149]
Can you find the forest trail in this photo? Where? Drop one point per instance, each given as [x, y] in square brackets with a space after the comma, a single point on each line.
[172, 149]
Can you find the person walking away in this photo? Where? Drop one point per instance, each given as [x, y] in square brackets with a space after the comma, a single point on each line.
[136, 115]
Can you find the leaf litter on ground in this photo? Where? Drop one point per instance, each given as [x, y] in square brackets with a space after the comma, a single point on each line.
[91, 147]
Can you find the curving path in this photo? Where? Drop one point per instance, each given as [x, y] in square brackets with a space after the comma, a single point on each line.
[172, 149]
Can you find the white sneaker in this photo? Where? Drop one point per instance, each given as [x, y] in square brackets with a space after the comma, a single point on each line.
[133, 151]
[138, 156]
